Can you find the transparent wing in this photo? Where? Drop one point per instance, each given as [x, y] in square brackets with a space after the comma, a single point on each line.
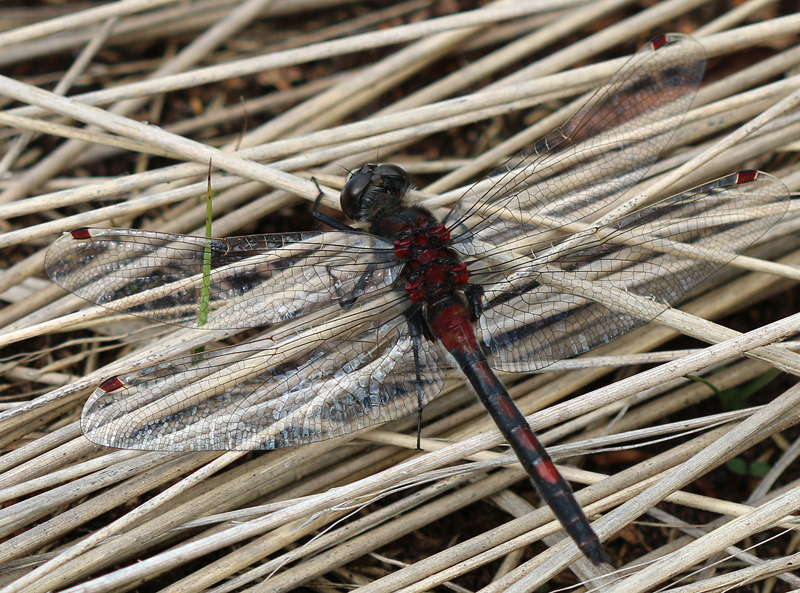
[246, 282]
[343, 371]
[554, 302]
[595, 157]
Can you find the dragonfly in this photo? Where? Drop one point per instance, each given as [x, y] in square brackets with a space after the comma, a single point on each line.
[364, 323]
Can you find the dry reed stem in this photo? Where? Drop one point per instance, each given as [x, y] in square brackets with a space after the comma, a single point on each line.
[60, 481]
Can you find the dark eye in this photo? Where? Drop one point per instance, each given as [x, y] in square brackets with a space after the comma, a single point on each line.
[390, 170]
[369, 179]
[350, 198]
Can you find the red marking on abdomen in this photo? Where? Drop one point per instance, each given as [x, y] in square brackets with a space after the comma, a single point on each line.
[482, 368]
[111, 384]
[81, 234]
[453, 326]
[548, 472]
[505, 406]
[544, 468]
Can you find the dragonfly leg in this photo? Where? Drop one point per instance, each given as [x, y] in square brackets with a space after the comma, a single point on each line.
[474, 294]
[416, 330]
[324, 218]
[347, 301]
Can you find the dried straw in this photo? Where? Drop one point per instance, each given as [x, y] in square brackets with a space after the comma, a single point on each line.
[81, 518]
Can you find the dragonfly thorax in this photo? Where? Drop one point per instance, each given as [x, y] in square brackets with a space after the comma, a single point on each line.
[432, 268]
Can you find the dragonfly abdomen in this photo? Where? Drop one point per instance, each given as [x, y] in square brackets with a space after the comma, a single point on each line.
[552, 488]
[450, 321]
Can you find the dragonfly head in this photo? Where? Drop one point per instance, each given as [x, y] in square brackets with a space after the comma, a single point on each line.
[373, 188]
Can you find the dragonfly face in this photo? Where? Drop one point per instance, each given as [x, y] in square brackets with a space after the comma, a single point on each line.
[373, 190]
[364, 327]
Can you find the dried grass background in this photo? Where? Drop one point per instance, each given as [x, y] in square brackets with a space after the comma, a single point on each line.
[275, 92]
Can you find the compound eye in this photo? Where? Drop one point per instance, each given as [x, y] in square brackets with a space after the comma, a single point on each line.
[391, 170]
[350, 198]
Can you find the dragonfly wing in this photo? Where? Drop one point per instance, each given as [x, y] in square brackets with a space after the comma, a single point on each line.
[592, 159]
[349, 370]
[588, 289]
[246, 282]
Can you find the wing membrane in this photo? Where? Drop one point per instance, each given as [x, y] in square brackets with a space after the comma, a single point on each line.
[252, 281]
[332, 379]
[599, 284]
[595, 157]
